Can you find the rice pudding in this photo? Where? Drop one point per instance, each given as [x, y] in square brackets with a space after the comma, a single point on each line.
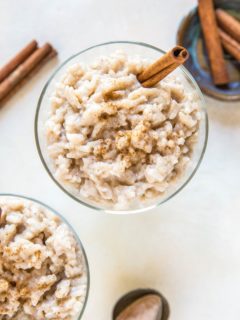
[42, 268]
[112, 141]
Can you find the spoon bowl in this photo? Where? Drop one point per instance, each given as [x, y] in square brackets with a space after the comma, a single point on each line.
[132, 296]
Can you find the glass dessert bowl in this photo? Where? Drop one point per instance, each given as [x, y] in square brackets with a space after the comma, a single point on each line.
[46, 271]
[111, 144]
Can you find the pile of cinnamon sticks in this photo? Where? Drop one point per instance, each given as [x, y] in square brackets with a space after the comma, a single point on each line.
[21, 65]
[221, 31]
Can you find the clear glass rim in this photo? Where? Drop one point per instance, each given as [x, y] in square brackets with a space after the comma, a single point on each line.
[74, 232]
[186, 73]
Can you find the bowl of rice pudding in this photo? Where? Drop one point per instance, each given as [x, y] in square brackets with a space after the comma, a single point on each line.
[43, 266]
[112, 144]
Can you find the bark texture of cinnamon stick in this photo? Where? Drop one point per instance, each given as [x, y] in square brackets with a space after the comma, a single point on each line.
[212, 39]
[20, 57]
[230, 45]
[28, 77]
[163, 66]
[228, 23]
[24, 69]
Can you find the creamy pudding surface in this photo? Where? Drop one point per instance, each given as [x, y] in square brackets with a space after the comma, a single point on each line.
[42, 267]
[114, 142]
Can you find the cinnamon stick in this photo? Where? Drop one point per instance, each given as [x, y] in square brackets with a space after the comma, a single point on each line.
[24, 69]
[230, 45]
[228, 23]
[18, 59]
[28, 77]
[212, 39]
[163, 66]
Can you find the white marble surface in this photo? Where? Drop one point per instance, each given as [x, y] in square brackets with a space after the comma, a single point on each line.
[189, 247]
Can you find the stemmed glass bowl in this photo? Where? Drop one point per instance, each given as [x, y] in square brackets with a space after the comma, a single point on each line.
[6, 196]
[87, 56]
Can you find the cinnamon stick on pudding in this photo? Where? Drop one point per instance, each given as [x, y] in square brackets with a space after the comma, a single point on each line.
[163, 66]
[212, 39]
[24, 69]
[228, 23]
[18, 59]
[230, 45]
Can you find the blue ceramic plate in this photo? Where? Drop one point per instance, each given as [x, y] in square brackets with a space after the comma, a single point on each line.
[190, 36]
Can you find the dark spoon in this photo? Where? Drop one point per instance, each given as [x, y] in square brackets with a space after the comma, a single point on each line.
[133, 296]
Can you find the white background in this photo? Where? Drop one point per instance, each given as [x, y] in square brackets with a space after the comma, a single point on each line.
[189, 248]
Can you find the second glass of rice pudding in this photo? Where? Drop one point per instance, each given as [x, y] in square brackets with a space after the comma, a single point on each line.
[43, 265]
[112, 144]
